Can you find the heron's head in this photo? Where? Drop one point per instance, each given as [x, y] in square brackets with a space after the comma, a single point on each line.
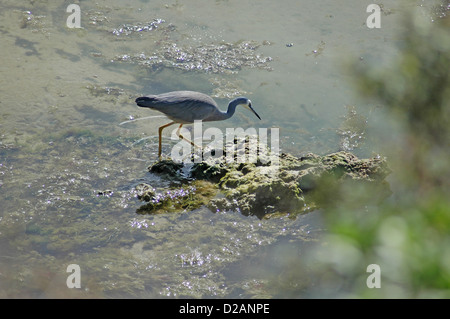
[247, 104]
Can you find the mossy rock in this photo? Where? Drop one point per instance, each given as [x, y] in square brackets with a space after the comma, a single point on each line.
[266, 190]
[188, 197]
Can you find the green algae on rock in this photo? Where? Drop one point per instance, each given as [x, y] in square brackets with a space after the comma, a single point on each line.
[188, 197]
[266, 190]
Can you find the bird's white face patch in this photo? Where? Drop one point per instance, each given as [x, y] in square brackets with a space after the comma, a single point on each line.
[247, 105]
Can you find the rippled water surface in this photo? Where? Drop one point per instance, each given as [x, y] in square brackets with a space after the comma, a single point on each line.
[69, 163]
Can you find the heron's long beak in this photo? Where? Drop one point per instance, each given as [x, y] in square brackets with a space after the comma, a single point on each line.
[249, 106]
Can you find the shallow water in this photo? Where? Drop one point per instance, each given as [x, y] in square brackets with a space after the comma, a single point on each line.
[68, 167]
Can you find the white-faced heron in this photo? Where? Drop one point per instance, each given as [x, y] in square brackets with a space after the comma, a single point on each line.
[185, 107]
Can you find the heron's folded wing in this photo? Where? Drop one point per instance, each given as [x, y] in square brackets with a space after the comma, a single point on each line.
[186, 111]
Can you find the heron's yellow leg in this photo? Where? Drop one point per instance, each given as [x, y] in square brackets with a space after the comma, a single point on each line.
[160, 133]
[181, 136]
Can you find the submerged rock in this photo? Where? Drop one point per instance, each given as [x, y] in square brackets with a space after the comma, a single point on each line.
[215, 58]
[352, 130]
[268, 188]
[129, 29]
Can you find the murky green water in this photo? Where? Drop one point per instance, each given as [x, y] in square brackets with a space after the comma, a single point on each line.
[68, 168]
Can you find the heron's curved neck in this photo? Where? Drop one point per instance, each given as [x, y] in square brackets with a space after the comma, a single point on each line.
[231, 109]
[220, 115]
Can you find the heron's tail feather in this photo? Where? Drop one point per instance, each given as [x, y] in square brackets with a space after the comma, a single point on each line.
[146, 101]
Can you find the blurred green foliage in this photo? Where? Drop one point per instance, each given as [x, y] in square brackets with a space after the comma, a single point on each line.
[408, 236]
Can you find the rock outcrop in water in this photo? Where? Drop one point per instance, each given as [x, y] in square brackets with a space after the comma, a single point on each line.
[264, 189]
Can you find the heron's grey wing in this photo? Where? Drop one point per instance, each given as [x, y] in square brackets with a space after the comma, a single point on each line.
[187, 111]
[185, 106]
[181, 96]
